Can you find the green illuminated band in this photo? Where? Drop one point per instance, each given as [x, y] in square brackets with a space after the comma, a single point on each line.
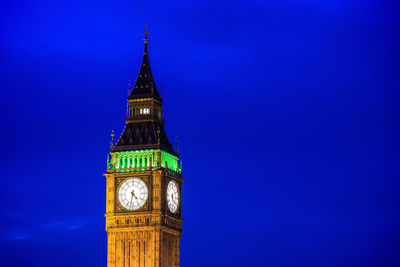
[121, 161]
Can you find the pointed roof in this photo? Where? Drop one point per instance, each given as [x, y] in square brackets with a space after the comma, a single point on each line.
[144, 135]
[147, 133]
[145, 86]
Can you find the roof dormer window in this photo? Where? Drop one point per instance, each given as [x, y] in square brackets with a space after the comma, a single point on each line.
[145, 111]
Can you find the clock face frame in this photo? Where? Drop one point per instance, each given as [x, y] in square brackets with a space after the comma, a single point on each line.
[173, 197]
[132, 194]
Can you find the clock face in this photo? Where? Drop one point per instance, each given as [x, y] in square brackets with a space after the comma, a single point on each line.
[172, 196]
[132, 194]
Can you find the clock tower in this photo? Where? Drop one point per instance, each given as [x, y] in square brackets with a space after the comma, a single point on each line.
[144, 183]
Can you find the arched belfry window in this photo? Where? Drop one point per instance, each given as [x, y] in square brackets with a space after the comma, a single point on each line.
[144, 111]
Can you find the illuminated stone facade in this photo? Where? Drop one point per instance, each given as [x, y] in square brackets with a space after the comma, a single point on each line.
[148, 235]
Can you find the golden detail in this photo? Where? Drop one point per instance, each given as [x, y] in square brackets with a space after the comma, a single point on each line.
[150, 235]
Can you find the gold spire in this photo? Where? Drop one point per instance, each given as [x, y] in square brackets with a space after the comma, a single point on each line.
[112, 140]
[145, 33]
[177, 144]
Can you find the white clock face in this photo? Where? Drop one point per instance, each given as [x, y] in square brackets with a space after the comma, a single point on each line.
[132, 194]
[172, 196]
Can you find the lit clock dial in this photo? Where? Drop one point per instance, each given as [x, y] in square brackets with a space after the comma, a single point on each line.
[172, 196]
[132, 194]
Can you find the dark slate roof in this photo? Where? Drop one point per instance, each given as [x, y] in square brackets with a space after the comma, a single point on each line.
[144, 135]
[145, 86]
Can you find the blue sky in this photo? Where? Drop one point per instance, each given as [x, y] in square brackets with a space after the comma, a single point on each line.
[287, 112]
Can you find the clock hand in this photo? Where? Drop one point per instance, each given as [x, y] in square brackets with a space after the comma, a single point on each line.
[131, 201]
[133, 194]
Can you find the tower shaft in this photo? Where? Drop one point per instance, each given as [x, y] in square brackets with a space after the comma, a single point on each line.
[143, 184]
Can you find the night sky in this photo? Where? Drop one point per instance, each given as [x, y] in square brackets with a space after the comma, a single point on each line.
[287, 112]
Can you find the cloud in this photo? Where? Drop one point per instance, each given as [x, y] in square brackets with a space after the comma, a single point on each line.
[75, 226]
[19, 226]
[67, 224]
[18, 236]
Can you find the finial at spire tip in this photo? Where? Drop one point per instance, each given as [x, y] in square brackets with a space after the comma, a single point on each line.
[145, 33]
[112, 139]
